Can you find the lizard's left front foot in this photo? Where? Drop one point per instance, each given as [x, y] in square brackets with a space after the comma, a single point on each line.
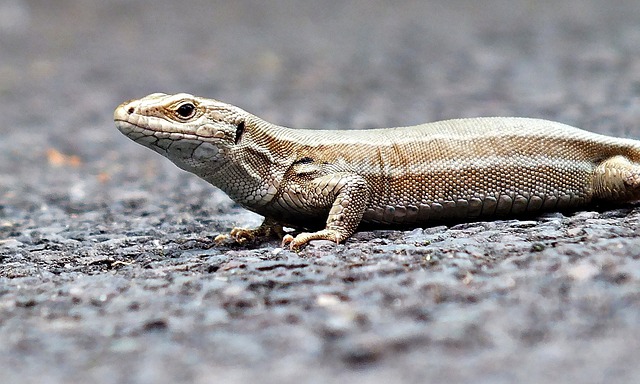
[239, 235]
[268, 229]
[303, 238]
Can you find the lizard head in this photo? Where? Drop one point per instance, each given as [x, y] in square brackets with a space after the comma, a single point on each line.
[193, 132]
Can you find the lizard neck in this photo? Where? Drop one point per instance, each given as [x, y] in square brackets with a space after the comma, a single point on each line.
[256, 165]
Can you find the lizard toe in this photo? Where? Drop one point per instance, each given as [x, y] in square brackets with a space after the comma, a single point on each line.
[303, 238]
[286, 240]
[220, 239]
[242, 235]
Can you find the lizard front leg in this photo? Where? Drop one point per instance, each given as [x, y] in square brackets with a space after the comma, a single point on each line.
[349, 194]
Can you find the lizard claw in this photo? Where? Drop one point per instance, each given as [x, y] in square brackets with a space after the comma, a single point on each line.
[303, 238]
[238, 235]
[268, 229]
[243, 235]
[220, 239]
[286, 240]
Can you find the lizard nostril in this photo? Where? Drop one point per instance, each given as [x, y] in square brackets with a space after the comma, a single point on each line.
[130, 110]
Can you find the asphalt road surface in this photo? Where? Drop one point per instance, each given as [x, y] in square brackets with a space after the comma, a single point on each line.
[108, 271]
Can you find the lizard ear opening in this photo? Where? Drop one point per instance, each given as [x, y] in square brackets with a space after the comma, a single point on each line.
[239, 132]
[304, 160]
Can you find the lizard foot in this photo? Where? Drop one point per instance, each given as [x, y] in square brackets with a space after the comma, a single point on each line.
[243, 235]
[303, 238]
[221, 238]
[238, 235]
[265, 231]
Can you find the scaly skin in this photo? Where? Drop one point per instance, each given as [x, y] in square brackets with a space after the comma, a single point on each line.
[334, 181]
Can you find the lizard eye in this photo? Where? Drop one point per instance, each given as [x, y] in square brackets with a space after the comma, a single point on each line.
[186, 110]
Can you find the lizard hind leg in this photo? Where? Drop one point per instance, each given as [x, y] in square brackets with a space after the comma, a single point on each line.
[617, 179]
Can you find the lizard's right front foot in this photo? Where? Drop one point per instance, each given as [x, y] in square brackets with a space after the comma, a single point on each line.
[295, 243]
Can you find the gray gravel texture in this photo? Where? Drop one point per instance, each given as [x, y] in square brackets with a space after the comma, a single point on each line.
[108, 271]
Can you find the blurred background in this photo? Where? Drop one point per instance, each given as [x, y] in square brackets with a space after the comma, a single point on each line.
[66, 64]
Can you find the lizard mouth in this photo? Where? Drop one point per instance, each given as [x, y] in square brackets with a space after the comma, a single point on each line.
[135, 125]
[142, 134]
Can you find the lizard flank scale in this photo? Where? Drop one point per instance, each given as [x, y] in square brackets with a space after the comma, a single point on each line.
[334, 181]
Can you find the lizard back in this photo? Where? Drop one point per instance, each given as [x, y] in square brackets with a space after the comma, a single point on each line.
[464, 168]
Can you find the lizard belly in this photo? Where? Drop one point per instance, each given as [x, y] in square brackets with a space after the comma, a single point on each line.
[469, 191]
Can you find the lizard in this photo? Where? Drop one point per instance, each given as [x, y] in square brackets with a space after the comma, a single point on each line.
[331, 182]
